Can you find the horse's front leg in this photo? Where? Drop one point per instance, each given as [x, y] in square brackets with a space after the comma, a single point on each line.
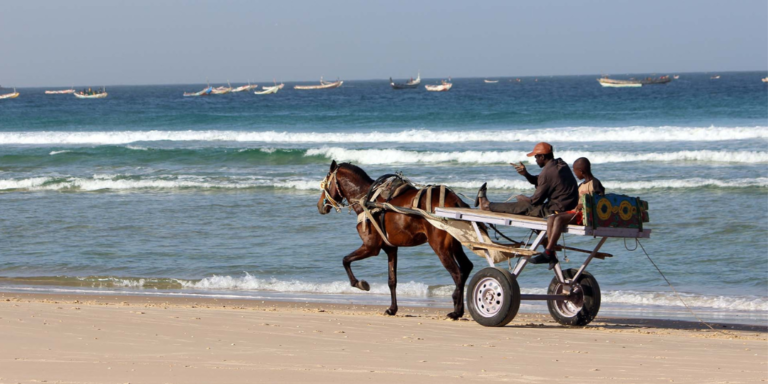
[363, 252]
[392, 281]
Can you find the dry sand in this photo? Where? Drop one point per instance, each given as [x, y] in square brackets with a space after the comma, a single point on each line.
[117, 339]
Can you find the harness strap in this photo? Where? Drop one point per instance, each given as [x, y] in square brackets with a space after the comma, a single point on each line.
[375, 225]
[429, 199]
[398, 191]
[442, 196]
[415, 203]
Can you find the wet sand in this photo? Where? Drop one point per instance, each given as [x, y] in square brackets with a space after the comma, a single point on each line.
[125, 339]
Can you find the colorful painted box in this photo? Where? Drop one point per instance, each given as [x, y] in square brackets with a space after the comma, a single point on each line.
[615, 211]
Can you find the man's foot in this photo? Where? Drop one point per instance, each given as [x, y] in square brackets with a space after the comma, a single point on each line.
[481, 200]
[546, 257]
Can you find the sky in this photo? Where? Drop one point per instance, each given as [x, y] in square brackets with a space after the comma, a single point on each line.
[104, 42]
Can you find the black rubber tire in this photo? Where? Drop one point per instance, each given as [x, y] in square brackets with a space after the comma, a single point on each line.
[505, 285]
[591, 296]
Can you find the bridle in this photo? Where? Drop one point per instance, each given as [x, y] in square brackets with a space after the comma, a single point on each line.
[330, 179]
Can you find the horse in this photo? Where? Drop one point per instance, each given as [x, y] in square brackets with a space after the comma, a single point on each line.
[348, 182]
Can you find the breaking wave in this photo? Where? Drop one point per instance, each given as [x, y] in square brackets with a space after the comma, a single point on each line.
[393, 156]
[504, 184]
[179, 182]
[119, 182]
[248, 282]
[555, 135]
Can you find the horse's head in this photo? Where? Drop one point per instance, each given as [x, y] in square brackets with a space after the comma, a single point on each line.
[330, 192]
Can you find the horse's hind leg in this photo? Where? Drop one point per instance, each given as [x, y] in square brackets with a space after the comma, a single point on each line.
[456, 262]
[392, 261]
[361, 253]
[465, 266]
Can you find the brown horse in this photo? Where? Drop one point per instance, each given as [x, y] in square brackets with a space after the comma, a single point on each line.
[346, 181]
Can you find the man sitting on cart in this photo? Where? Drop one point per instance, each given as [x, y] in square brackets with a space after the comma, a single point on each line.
[556, 188]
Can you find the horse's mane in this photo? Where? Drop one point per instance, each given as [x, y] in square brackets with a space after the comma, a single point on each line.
[357, 170]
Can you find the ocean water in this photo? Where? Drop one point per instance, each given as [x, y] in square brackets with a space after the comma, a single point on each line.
[147, 192]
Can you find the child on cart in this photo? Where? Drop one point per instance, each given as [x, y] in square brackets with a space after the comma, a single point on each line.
[582, 168]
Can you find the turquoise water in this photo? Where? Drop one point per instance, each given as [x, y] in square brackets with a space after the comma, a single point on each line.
[147, 192]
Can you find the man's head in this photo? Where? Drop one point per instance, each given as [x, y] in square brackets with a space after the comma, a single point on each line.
[543, 153]
[582, 167]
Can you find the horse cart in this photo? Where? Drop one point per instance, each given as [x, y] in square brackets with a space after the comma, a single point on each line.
[573, 295]
[392, 212]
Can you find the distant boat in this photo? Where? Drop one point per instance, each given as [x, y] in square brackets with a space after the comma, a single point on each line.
[323, 85]
[222, 90]
[62, 92]
[491, 81]
[765, 79]
[676, 77]
[95, 94]
[658, 80]
[269, 90]
[245, 88]
[410, 84]
[204, 92]
[10, 95]
[444, 87]
[715, 77]
[606, 82]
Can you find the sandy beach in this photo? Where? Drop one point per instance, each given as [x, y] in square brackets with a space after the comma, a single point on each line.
[120, 339]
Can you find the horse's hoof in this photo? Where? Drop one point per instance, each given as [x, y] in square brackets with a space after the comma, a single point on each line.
[454, 316]
[363, 285]
[390, 312]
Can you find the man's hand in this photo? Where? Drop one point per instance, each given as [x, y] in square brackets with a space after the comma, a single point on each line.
[520, 168]
[522, 198]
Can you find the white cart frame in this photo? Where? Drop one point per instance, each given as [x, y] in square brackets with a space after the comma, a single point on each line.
[538, 227]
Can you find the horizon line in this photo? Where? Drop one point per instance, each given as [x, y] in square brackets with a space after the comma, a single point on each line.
[387, 78]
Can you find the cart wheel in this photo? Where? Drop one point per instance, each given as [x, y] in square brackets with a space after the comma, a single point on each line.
[584, 303]
[493, 297]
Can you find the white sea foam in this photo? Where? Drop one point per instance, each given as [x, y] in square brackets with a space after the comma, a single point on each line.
[217, 285]
[57, 152]
[505, 184]
[101, 182]
[249, 282]
[555, 135]
[121, 182]
[395, 156]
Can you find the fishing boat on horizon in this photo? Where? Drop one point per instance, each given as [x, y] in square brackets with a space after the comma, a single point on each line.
[715, 77]
[91, 94]
[657, 80]
[676, 77]
[410, 84]
[613, 83]
[765, 79]
[222, 90]
[245, 88]
[444, 86]
[61, 92]
[268, 90]
[204, 92]
[490, 81]
[323, 85]
[10, 95]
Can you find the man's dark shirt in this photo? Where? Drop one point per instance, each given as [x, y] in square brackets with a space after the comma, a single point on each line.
[556, 184]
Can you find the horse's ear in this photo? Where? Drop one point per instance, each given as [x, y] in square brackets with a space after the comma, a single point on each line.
[333, 166]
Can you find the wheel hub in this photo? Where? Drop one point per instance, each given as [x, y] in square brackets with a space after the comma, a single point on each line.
[488, 296]
[571, 306]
